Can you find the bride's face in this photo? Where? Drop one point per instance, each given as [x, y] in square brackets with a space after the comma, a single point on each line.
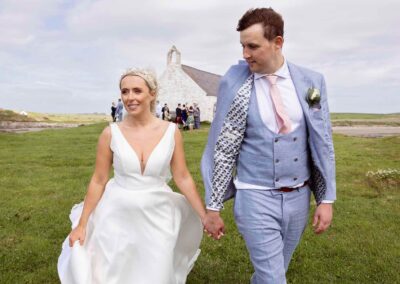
[136, 95]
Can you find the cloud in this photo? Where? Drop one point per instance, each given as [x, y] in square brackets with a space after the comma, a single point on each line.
[69, 54]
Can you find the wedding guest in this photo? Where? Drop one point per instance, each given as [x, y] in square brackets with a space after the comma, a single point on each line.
[162, 111]
[178, 116]
[119, 111]
[196, 115]
[190, 119]
[184, 117]
[158, 110]
[166, 114]
[113, 110]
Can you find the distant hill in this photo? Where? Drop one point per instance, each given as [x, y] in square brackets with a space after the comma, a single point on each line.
[9, 115]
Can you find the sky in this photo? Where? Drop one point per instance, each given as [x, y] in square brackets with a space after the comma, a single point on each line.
[60, 56]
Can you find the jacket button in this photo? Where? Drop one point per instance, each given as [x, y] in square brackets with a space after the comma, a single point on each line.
[276, 140]
[277, 179]
[295, 138]
[277, 161]
[294, 178]
[295, 159]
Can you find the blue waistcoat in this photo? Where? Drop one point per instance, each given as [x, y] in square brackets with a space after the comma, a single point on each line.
[269, 159]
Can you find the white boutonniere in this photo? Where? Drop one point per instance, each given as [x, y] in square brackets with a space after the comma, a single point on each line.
[313, 98]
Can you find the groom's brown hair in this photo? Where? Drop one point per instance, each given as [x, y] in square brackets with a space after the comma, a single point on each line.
[271, 21]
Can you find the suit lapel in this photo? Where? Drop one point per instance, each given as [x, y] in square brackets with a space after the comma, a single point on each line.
[301, 84]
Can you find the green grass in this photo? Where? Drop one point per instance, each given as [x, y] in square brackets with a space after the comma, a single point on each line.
[42, 174]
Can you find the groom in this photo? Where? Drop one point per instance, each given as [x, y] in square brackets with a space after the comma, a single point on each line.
[270, 145]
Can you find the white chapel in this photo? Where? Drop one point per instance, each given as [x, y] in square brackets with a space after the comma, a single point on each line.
[187, 85]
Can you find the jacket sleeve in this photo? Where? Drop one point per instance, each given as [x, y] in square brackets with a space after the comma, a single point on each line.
[207, 161]
[329, 160]
[224, 100]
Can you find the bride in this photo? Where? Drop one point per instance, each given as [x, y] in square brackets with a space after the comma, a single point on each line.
[133, 228]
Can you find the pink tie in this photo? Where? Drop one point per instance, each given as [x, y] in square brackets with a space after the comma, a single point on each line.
[282, 118]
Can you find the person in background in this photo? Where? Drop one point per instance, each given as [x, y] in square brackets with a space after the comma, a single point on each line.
[178, 116]
[162, 111]
[196, 115]
[184, 117]
[166, 114]
[158, 110]
[190, 119]
[119, 110]
[113, 111]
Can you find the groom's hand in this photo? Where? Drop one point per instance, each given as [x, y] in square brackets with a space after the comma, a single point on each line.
[214, 224]
[322, 217]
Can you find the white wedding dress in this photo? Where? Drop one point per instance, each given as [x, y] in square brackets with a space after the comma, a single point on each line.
[141, 231]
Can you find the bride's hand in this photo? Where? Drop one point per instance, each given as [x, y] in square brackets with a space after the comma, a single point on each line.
[214, 225]
[77, 234]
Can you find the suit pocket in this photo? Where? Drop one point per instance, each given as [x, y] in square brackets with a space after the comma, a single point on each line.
[316, 113]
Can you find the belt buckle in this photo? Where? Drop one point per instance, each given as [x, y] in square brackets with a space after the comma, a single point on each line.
[290, 189]
[286, 189]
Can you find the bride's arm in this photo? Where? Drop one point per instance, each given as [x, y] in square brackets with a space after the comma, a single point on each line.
[182, 176]
[96, 186]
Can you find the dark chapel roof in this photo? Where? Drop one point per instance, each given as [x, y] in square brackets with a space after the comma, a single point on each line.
[209, 82]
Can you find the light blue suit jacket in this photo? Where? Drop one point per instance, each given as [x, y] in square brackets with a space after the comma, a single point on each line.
[323, 180]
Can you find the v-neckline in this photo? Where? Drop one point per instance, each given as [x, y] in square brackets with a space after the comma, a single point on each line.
[142, 172]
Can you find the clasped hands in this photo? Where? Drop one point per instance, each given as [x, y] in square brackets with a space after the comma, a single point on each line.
[213, 224]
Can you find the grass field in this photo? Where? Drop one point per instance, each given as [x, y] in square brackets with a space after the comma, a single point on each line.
[43, 174]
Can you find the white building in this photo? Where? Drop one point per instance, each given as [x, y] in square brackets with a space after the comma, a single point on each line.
[187, 85]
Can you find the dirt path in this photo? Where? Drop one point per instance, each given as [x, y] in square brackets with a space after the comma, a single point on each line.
[362, 131]
[367, 131]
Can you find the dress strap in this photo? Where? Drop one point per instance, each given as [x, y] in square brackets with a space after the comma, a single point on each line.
[114, 133]
[171, 129]
[171, 136]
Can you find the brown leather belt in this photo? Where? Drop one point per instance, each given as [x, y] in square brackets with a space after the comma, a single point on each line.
[289, 189]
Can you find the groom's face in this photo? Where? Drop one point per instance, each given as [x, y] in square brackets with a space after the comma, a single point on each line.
[259, 52]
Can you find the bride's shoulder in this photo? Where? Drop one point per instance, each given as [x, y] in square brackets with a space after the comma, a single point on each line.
[164, 125]
[104, 141]
[167, 126]
[106, 133]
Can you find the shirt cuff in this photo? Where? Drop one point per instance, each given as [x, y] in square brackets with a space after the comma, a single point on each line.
[327, 201]
[213, 209]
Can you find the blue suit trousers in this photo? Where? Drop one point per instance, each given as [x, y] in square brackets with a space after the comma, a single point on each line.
[271, 223]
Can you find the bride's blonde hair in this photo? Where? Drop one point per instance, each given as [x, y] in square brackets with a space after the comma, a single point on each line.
[149, 76]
